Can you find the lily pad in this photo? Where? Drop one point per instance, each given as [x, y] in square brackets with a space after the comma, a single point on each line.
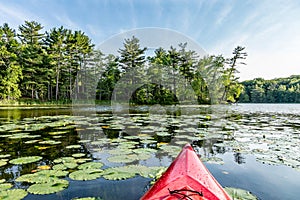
[31, 141]
[51, 142]
[45, 176]
[75, 146]
[117, 173]
[130, 171]
[86, 174]
[59, 167]
[240, 194]
[25, 160]
[123, 159]
[48, 188]
[119, 151]
[2, 163]
[4, 155]
[15, 194]
[57, 132]
[5, 186]
[91, 165]
[78, 155]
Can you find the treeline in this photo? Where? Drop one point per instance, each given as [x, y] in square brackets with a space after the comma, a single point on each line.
[169, 76]
[279, 90]
[59, 64]
[41, 65]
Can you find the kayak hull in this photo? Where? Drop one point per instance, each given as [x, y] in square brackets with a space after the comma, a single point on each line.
[186, 178]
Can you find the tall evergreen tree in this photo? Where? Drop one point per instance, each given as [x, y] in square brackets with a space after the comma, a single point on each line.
[131, 57]
[31, 58]
[10, 69]
[56, 43]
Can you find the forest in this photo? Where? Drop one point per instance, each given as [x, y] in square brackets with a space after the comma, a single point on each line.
[43, 66]
[279, 90]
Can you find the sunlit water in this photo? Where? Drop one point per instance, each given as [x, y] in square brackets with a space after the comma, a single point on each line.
[249, 146]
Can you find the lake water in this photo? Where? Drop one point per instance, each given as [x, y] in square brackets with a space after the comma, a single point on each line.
[250, 146]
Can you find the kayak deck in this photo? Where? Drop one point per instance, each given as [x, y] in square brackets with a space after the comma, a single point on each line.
[186, 178]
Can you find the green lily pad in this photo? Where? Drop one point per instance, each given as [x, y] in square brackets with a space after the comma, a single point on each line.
[75, 146]
[86, 174]
[71, 165]
[4, 155]
[31, 141]
[2, 163]
[57, 132]
[239, 194]
[53, 173]
[130, 171]
[44, 176]
[5, 186]
[15, 194]
[123, 159]
[64, 160]
[51, 142]
[117, 173]
[68, 162]
[59, 167]
[119, 151]
[19, 136]
[144, 150]
[48, 188]
[78, 155]
[91, 165]
[163, 134]
[82, 160]
[84, 141]
[25, 160]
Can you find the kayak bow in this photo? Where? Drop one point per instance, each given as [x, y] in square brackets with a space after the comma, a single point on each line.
[186, 178]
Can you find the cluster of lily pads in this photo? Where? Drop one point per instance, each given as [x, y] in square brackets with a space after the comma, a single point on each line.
[125, 146]
[273, 139]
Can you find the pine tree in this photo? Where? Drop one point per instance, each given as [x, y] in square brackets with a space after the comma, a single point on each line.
[10, 70]
[31, 58]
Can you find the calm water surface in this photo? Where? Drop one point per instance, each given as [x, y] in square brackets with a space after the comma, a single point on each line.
[250, 146]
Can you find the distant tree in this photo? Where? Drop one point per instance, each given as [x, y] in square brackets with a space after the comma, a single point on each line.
[280, 90]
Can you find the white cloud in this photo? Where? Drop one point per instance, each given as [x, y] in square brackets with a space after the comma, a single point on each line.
[15, 15]
[65, 20]
[224, 14]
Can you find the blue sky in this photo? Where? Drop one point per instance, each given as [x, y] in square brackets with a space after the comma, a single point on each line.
[270, 30]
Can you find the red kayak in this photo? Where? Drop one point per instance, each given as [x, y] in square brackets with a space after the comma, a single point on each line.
[186, 178]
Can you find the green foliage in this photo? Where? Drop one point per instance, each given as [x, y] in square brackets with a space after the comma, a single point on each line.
[10, 69]
[280, 90]
[60, 64]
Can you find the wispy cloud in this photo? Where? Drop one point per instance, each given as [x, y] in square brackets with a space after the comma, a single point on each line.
[65, 20]
[15, 15]
[224, 14]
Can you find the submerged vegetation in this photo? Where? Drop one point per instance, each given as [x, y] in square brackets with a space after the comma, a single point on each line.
[57, 65]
